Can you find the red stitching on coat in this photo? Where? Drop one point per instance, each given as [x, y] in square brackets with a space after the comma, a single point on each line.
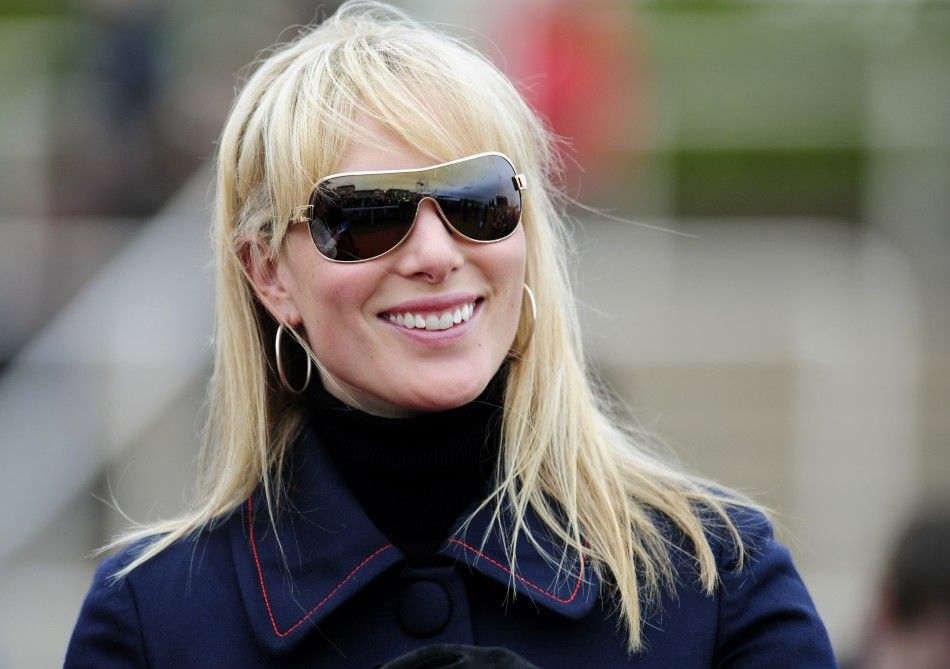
[260, 576]
[577, 586]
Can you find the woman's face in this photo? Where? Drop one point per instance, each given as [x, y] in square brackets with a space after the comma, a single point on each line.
[346, 308]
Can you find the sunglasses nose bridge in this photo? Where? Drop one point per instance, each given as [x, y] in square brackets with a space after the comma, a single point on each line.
[438, 212]
[429, 250]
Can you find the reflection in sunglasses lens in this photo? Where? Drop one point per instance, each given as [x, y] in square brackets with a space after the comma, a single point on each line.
[361, 216]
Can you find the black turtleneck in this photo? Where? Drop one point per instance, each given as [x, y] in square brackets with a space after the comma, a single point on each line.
[414, 476]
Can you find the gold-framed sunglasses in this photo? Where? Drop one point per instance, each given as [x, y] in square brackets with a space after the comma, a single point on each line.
[359, 216]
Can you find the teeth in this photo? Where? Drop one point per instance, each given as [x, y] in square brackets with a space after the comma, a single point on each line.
[434, 321]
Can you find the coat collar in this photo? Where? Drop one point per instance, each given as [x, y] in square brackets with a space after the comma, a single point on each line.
[333, 551]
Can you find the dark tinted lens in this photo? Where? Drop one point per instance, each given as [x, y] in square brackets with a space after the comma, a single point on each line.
[478, 196]
[355, 218]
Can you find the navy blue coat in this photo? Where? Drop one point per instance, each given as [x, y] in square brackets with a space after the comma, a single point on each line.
[225, 599]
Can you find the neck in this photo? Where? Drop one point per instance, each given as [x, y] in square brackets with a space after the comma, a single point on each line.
[414, 476]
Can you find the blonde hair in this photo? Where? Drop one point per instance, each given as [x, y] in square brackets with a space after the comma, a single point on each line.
[591, 482]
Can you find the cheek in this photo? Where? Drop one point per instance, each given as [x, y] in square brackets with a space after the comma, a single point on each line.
[333, 297]
[504, 265]
[507, 265]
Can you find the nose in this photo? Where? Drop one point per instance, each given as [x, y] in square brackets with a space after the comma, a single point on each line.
[431, 252]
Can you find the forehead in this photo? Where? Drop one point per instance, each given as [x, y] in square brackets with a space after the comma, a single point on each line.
[373, 146]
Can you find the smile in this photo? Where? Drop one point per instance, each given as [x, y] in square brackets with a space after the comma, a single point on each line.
[431, 320]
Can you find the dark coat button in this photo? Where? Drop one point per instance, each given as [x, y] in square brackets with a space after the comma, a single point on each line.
[424, 608]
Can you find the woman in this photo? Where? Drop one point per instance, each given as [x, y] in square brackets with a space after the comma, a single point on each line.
[447, 475]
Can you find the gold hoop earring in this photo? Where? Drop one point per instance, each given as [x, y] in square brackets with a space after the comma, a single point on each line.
[534, 320]
[280, 365]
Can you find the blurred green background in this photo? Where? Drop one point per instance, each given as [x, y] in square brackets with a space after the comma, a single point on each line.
[794, 343]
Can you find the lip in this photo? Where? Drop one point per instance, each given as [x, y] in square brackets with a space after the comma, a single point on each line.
[429, 304]
[436, 338]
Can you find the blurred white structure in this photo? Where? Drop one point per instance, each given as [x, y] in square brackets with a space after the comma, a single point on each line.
[77, 398]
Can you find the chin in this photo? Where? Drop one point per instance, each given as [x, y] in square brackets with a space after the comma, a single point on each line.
[443, 395]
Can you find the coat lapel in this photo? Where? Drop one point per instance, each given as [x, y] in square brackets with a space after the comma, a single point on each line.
[332, 551]
[570, 591]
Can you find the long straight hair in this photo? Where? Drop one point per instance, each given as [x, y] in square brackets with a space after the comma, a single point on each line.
[592, 481]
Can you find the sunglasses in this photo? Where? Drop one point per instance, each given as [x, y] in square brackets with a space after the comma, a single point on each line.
[359, 216]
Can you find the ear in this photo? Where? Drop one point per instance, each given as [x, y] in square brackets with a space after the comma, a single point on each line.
[270, 280]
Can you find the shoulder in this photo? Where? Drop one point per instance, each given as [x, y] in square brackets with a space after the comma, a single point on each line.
[122, 612]
[754, 536]
[187, 561]
[735, 536]
[108, 631]
[765, 614]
